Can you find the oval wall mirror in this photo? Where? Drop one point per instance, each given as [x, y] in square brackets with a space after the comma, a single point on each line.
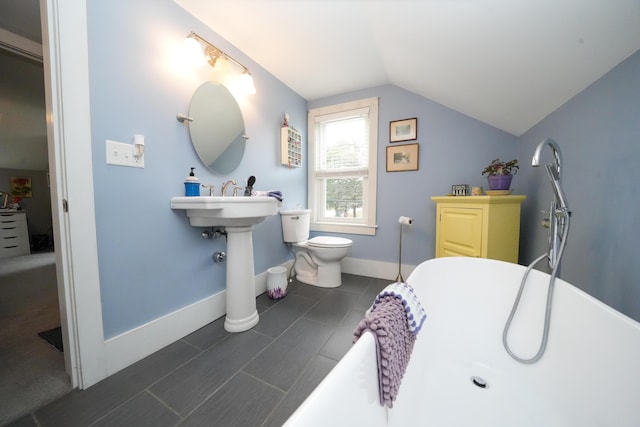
[217, 130]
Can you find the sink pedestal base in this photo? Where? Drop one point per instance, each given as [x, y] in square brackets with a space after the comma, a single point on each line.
[238, 215]
[241, 290]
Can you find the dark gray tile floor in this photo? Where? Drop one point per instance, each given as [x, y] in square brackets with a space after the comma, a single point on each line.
[214, 378]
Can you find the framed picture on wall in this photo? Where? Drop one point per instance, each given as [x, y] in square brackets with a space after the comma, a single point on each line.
[402, 158]
[403, 130]
[21, 186]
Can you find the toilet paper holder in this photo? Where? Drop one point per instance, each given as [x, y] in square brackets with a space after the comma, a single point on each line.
[403, 220]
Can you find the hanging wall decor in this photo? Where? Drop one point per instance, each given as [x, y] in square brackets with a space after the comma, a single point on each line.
[402, 158]
[21, 186]
[403, 130]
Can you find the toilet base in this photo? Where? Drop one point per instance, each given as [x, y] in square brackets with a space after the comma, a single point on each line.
[325, 278]
[321, 265]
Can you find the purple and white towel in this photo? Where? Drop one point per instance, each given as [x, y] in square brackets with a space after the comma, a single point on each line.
[273, 193]
[412, 307]
[388, 322]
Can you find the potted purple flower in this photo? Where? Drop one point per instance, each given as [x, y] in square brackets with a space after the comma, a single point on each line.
[500, 173]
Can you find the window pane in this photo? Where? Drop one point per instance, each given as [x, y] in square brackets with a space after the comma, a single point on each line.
[343, 198]
[344, 144]
[343, 167]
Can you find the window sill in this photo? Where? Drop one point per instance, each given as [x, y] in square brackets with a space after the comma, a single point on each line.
[368, 230]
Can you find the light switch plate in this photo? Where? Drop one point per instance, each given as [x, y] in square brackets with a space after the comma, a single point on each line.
[121, 154]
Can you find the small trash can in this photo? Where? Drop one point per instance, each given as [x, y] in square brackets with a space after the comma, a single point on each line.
[277, 282]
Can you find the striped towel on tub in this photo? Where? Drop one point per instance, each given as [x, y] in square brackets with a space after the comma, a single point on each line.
[394, 321]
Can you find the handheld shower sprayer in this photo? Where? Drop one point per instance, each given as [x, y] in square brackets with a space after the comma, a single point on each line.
[553, 170]
[554, 178]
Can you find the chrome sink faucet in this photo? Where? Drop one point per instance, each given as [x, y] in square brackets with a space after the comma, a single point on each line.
[212, 189]
[225, 185]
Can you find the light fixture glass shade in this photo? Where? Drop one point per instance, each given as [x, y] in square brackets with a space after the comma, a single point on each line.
[246, 83]
[222, 72]
[223, 66]
[193, 51]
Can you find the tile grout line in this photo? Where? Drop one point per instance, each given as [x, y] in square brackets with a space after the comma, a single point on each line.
[273, 339]
[147, 387]
[162, 402]
[241, 369]
[316, 300]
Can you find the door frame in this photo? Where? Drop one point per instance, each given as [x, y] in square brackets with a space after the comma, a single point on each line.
[66, 70]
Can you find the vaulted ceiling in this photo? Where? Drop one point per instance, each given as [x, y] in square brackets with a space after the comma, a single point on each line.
[508, 63]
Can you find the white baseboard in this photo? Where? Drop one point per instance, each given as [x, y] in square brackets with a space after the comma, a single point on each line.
[138, 343]
[131, 346]
[377, 269]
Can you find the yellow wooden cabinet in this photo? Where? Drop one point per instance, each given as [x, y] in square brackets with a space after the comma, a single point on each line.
[478, 226]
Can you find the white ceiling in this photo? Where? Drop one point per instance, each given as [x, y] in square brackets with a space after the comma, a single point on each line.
[508, 63]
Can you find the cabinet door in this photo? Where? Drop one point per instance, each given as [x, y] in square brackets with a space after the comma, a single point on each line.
[460, 232]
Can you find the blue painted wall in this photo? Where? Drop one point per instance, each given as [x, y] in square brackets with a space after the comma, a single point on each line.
[599, 134]
[453, 149]
[151, 260]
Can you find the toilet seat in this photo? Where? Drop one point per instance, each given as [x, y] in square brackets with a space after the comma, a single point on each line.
[329, 242]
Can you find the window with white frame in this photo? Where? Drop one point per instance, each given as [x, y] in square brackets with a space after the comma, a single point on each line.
[343, 142]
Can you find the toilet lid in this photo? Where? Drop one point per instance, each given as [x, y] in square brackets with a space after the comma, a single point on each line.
[329, 242]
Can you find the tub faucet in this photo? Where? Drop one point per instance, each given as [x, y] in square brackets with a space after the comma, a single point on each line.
[225, 185]
[557, 155]
[558, 225]
[553, 171]
[558, 222]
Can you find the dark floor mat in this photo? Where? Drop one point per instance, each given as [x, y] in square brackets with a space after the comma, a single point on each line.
[53, 337]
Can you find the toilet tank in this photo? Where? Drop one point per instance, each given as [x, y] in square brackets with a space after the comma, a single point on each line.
[295, 225]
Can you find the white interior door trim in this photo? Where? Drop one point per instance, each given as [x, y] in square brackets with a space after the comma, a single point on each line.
[66, 68]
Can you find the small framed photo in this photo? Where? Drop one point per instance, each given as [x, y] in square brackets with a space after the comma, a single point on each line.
[403, 130]
[402, 158]
[21, 186]
[460, 190]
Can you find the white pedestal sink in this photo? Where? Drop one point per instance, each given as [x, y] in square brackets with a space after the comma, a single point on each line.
[238, 215]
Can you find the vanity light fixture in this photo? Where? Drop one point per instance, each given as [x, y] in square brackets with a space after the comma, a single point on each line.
[219, 59]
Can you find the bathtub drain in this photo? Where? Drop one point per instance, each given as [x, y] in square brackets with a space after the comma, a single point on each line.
[479, 382]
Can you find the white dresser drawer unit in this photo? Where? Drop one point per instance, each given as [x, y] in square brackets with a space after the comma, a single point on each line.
[14, 234]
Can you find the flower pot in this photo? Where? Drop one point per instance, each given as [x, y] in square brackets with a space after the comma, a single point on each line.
[500, 182]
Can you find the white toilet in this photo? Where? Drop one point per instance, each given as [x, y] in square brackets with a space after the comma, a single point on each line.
[318, 259]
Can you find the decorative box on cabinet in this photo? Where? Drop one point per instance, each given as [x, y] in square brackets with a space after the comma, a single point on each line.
[291, 147]
[478, 226]
[14, 234]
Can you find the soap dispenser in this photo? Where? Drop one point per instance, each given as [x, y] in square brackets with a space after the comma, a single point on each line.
[191, 185]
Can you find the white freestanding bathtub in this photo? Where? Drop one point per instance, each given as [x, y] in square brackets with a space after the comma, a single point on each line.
[588, 376]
